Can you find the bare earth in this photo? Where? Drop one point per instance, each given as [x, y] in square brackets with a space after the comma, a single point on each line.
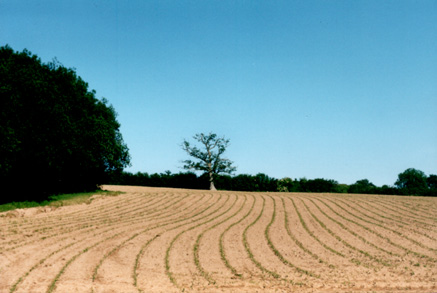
[173, 240]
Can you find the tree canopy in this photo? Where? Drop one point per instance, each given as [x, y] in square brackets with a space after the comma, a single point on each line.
[55, 135]
[412, 182]
[362, 186]
[208, 159]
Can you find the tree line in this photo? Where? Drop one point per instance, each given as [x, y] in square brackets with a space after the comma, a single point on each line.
[208, 159]
[409, 182]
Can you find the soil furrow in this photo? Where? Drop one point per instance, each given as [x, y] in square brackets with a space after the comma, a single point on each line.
[172, 240]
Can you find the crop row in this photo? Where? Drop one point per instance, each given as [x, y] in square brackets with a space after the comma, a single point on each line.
[197, 240]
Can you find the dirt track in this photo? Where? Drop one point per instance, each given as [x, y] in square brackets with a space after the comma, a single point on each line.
[169, 240]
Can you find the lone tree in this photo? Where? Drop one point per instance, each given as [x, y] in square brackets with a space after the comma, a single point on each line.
[209, 157]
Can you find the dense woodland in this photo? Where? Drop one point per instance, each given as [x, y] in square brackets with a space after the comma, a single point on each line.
[55, 135]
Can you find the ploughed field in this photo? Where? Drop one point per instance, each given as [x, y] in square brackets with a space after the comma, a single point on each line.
[173, 240]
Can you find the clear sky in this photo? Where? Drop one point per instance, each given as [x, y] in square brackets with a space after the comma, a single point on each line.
[341, 90]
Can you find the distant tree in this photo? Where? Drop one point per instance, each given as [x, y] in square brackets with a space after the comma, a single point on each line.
[55, 135]
[265, 183]
[412, 182]
[432, 185]
[209, 156]
[432, 181]
[385, 189]
[302, 185]
[186, 180]
[320, 185]
[243, 182]
[224, 182]
[341, 188]
[363, 186]
[285, 185]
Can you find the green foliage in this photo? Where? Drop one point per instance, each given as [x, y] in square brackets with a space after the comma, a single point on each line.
[21, 205]
[312, 185]
[187, 180]
[57, 200]
[432, 183]
[412, 182]
[245, 182]
[261, 182]
[285, 184]
[319, 185]
[55, 135]
[362, 186]
[265, 183]
[341, 188]
[242, 182]
[385, 189]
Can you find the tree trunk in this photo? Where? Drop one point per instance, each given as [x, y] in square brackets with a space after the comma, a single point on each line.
[211, 182]
[211, 186]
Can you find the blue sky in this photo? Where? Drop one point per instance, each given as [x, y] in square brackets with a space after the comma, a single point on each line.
[341, 90]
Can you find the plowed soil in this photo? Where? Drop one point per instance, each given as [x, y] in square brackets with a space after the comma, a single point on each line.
[174, 240]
